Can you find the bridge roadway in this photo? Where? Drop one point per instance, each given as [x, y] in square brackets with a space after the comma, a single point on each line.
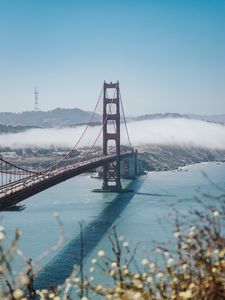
[17, 191]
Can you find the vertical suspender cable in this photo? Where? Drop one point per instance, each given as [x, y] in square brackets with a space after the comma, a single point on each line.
[125, 122]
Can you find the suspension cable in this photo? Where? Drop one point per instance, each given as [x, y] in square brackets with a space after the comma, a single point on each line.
[63, 158]
[125, 122]
[81, 136]
[95, 141]
[16, 167]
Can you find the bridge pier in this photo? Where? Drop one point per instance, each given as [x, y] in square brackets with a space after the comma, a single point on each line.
[131, 167]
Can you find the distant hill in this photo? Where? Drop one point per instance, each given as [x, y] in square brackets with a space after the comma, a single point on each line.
[211, 118]
[15, 129]
[208, 118]
[65, 117]
[159, 116]
[51, 118]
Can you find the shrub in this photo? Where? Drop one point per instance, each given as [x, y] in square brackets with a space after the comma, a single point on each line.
[193, 269]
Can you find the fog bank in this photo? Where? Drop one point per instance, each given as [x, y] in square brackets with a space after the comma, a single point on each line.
[182, 132]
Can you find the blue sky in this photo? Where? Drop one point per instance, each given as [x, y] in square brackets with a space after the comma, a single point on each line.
[169, 55]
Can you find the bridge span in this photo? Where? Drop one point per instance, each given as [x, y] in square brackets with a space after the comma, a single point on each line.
[15, 192]
[18, 183]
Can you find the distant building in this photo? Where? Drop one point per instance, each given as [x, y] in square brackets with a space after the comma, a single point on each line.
[8, 154]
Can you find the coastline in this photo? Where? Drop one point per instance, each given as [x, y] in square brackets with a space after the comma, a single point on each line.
[169, 158]
[184, 168]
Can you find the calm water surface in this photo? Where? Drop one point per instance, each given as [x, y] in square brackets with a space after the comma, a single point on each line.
[143, 216]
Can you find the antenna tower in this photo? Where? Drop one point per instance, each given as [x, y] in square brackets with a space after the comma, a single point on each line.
[36, 95]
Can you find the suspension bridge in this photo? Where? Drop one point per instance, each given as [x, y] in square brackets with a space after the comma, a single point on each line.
[18, 183]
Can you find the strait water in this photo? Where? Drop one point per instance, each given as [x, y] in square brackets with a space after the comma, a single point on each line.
[141, 216]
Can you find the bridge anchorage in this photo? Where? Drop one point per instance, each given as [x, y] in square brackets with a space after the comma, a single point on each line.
[127, 167]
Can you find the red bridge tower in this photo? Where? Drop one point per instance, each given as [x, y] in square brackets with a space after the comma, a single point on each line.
[111, 132]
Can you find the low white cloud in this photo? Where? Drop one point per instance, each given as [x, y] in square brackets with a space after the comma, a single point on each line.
[183, 132]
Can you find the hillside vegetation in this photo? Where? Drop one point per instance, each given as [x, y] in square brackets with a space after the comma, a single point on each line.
[163, 158]
[56, 117]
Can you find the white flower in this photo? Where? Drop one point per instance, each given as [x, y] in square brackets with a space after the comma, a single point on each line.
[184, 266]
[177, 234]
[17, 294]
[84, 298]
[24, 280]
[184, 246]
[125, 272]
[144, 275]
[152, 266]
[192, 228]
[113, 264]
[145, 261]
[51, 295]
[94, 260]
[20, 232]
[118, 289]
[137, 296]
[101, 253]
[186, 295]
[125, 244]
[138, 284]
[175, 280]
[222, 253]
[92, 269]
[69, 285]
[170, 261]
[159, 275]
[149, 279]
[216, 213]
[98, 287]
[192, 285]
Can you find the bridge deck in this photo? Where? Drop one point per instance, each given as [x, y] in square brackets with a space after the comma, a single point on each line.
[15, 192]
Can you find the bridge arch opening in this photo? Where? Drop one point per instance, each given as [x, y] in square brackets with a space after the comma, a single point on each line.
[111, 145]
[111, 108]
[111, 126]
[111, 92]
